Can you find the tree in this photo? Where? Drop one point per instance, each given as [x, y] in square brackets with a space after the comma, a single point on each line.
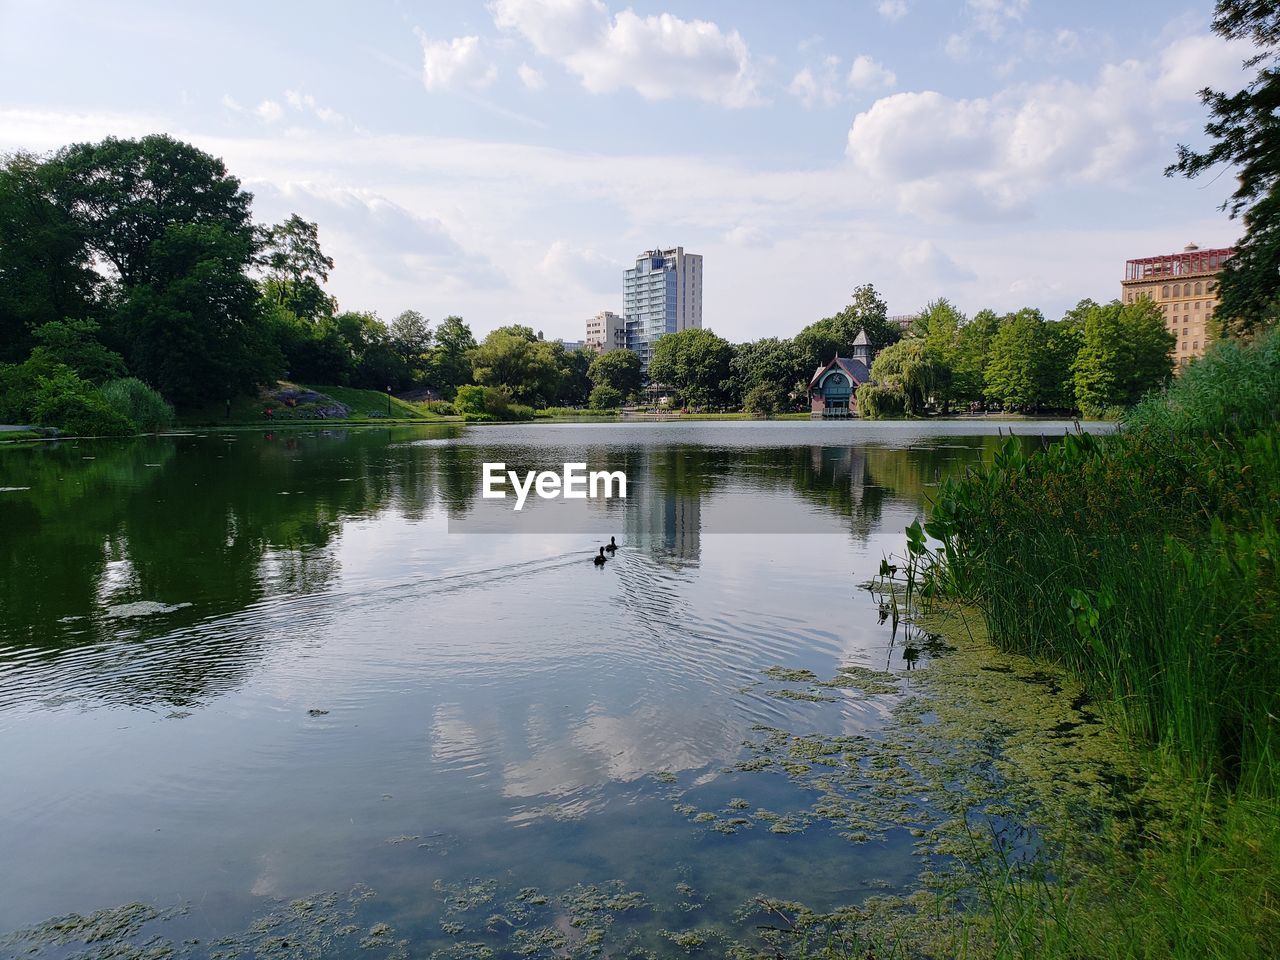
[411, 340]
[764, 399]
[45, 269]
[619, 369]
[770, 361]
[1125, 352]
[75, 344]
[938, 327]
[822, 340]
[450, 360]
[514, 357]
[1015, 367]
[194, 328]
[575, 377]
[695, 363]
[1246, 136]
[973, 346]
[296, 268]
[605, 397]
[912, 367]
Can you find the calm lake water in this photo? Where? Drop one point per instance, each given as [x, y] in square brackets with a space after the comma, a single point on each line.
[238, 669]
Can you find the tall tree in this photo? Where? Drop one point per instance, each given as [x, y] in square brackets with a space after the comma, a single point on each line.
[695, 363]
[973, 347]
[822, 340]
[1245, 129]
[45, 269]
[515, 358]
[1016, 361]
[450, 365]
[915, 368]
[780, 363]
[619, 369]
[1125, 351]
[296, 268]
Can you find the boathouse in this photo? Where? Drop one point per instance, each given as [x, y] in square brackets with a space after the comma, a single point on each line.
[833, 384]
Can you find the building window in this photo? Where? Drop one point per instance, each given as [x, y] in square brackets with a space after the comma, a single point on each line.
[1164, 291]
[1195, 344]
[1199, 287]
[1197, 304]
[1184, 331]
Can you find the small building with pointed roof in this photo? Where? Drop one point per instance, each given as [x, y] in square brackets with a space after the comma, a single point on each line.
[833, 384]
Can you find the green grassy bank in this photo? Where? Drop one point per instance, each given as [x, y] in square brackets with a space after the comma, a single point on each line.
[1145, 564]
[364, 406]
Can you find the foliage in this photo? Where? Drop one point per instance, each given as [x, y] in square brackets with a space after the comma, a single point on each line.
[76, 407]
[972, 351]
[771, 361]
[469, 399]
[764, 400]
[1246, 137]
[575, 380]
[46, 273]
[605, 397]
[450, 363]
[878, 401]
[695, 363]
[1124, 352]
[822, 340]
[618, 370]
[296, 268]
[1146, 562]
[1017, 364]
[912, 368]
[515, 358]
[442, 408]
[137, 403]
[75, 344]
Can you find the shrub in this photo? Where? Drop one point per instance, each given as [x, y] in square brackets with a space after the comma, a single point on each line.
[519, 411]
[137, 402]
[73, 405]
[442, 408]
[479, 418]
[605, 397]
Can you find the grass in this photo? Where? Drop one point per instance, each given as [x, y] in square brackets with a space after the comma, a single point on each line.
[1145, 562]
[14, 436]
[365, 406]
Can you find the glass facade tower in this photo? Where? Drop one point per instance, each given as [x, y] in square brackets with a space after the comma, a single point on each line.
[663, 294]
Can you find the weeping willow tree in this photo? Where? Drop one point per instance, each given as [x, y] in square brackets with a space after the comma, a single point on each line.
[914, 369]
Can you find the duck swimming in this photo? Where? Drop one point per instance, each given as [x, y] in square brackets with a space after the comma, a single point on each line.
[600, 559]
[613, 545]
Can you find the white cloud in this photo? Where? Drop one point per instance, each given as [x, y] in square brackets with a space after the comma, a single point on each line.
[269, 110]
[867, 74]
[993, 16]
[988, 157]
[818, 86]
[530, 77]
[589, 269]
[306, 103]
[928, 263]
[660, 57]
[1193, 63]
[456, 62]
[892, 9]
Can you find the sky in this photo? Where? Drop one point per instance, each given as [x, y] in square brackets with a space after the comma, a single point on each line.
[506, 160]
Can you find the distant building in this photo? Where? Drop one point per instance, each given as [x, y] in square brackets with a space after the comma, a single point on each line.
[833, 384]
[606, 331]
[1185, 287]
[902, 321]
[572, 345]
[663, 294]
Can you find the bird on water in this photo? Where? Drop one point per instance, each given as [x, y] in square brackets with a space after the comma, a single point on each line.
[613, 545]
[600, 559]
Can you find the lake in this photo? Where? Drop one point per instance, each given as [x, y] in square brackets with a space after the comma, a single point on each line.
[308, 693]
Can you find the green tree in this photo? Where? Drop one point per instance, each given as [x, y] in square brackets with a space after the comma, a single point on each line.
[912, 367]
[45, 262]
[296, 268]
[1125, 352]
[75, 344]
[764, 399]
[1015, 372]
[619, 369]
[822, 340]
[695, 363]
[514, 357]
[973, 346]
[450, 358]
[575, 377]
[1246, 136]
[605, 397]
[770, 361]
[411, 340]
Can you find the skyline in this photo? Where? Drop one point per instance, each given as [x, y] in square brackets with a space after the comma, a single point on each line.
[499, 161]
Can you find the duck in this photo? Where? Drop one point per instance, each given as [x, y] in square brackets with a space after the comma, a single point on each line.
[612, 546]
[600, 559]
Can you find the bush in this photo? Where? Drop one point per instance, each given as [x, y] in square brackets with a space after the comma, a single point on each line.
[479, 418]
[518, 411]
[76, 407]
[442, 408]
[470, 399]
[137, 402]
[763, 400]
[877, 402]
[605, 397]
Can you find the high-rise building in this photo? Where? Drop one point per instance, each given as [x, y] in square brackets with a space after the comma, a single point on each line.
[606, 331]
[1185, 288]
[663, 295]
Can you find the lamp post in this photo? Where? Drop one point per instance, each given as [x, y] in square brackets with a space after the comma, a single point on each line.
[388, 403]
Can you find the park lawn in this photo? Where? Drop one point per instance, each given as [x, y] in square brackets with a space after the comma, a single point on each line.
[247, 409]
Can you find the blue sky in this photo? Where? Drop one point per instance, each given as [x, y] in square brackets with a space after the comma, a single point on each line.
[506, 160]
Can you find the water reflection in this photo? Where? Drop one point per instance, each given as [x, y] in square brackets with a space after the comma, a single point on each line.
[303, 662]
